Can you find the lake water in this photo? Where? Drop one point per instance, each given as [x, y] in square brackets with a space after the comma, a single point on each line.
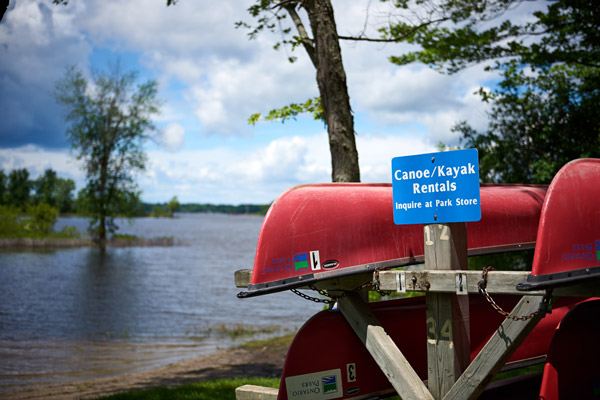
[76, 314]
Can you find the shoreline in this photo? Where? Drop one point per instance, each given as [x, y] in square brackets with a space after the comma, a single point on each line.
[260, 359]
[64, 243]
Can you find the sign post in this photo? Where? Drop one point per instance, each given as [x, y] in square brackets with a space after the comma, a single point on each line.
[441, 191]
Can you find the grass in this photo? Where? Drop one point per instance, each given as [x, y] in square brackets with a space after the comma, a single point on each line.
[275, 344]
[215, 389]
[225, 388]
[219, 389]
[538, 368]
[234, 331]
[124, 236]
[67, 232]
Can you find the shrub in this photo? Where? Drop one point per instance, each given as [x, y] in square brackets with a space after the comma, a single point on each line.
[41, 218]
[10, 223]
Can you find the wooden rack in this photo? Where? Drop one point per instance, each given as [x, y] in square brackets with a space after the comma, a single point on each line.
[445, 280]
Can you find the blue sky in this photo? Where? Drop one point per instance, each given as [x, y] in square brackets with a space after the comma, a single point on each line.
[211, 79]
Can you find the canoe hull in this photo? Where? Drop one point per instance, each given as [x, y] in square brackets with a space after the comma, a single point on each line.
[326, 347]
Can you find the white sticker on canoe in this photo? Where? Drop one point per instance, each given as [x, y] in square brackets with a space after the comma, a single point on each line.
[351, 372]
[318, 385]
[315, 261]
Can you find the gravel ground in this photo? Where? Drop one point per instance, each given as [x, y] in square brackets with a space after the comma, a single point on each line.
[231, 363]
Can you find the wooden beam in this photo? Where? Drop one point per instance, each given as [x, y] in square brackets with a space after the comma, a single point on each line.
[447, 314]
[242, 277]
[383, 349]
[252, 392]
[507, 338]
[498, 282]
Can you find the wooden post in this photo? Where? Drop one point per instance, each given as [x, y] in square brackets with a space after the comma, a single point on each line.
[383, 349]
[448, 348]
[507, 338]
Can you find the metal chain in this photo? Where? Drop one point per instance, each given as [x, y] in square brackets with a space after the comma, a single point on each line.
[315, 299]
[333, 299]
[544, 307]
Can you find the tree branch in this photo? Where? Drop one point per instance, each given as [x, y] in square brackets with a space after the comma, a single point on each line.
[307, 42]
[396, 39]
[368, 39]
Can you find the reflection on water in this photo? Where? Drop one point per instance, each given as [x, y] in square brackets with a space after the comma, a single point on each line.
[81, 313]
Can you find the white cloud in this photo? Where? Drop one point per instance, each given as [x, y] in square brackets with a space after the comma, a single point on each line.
[225, 77]
[377, 151]
[37, 160]
[418, 95]
[212, 78]
[37, 42]
[187, 29]
[171, 137]
[228, 77]
[224, 175]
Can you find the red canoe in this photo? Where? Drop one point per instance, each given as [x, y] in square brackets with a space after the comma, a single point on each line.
[327, 347]
[322, 231]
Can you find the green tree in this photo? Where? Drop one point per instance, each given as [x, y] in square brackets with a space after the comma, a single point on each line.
[544, 109]
[110, 118]
[538, 123]
[63, 194]
[323, 49]
[41, 218]
[333, 106]
[325, 54]
[19, 188]
[173, 205]
[54, 191]
[44, 188]
[3, 188]
[10, 221]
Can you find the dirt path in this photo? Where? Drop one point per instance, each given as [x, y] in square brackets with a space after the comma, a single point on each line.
[233, 363]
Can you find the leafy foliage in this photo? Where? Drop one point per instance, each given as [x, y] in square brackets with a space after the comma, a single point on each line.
[54, 191]
[44, 187]
[173, 205]
[458, 33]
[3, 188]
[334, 108]
[42, 218]
[538, 124]
[18, 189]
[10, 225]
[110, 118]
[312, 106]
[543, 111]
[37, 222]
[272, 17]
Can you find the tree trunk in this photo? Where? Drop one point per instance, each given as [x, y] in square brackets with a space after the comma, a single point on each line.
[102, 232]
[103, 200]
[331, 79]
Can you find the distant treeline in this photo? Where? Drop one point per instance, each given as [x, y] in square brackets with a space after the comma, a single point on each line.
[17, 190]
[260, 209]
[20, 192]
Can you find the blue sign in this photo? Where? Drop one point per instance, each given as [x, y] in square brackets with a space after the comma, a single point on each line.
[436, 188]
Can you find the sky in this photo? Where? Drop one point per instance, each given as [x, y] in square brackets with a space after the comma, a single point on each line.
[211, 79]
